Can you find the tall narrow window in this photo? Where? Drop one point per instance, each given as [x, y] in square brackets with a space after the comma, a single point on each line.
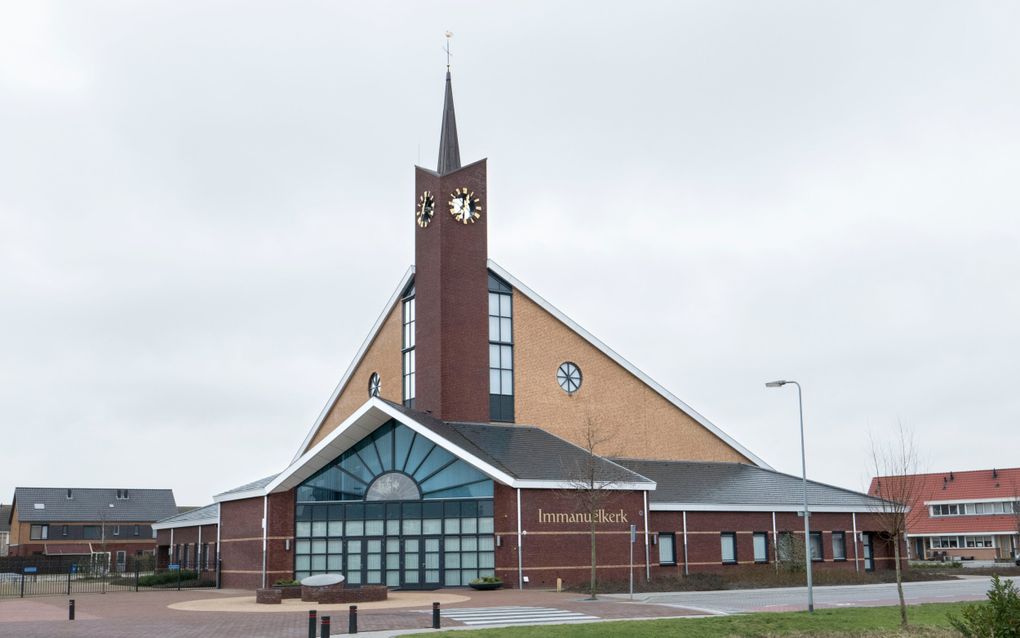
[501, 350]
[839, 546]
[667, 548]
[761, 547]
[816, 546]
[407, 346]
[729, 547]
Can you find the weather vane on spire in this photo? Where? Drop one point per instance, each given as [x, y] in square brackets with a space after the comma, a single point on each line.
[449, 35]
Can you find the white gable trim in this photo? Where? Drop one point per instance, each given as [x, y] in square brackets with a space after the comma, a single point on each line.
[372, 414]
[376, 327]
[627, 365]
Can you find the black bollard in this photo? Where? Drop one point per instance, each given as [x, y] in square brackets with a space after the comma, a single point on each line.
[325, 627]
[311, 623]
[352, 622]
[435, 615]
[70, 609]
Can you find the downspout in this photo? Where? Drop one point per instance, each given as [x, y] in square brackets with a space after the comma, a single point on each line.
[170, 550]
[775, 542]
[198, 552]
[265, 535]
[687, 565]
[857, 560]
[520, 548]
[648, 564]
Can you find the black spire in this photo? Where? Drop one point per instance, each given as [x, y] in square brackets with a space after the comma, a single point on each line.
[449, 149]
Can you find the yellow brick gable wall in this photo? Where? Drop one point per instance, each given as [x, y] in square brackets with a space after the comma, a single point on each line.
[640, 422]
[383, 356]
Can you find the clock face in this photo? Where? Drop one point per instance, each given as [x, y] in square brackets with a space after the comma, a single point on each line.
[426, 208]
[464, 206]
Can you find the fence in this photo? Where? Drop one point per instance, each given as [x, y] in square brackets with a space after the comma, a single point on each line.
[67, 575]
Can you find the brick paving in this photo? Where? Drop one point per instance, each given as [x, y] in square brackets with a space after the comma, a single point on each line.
[145, 615]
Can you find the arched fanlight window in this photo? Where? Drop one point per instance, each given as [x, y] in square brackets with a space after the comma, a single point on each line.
[370, 470]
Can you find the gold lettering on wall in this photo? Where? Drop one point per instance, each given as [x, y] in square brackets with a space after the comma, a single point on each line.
[600, 516]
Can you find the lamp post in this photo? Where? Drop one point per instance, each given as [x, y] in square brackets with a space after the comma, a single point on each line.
[803, 468]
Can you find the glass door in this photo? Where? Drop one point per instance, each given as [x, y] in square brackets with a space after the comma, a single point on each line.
[422, 563]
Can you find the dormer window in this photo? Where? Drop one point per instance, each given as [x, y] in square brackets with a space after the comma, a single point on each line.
[122, 495]
[69, 495]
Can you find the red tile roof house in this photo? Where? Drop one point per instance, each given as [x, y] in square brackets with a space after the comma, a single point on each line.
[962, 515]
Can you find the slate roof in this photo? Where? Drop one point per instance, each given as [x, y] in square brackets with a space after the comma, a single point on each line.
[5, 518]
[721, 484]
[523, 451]
[254, 485]
[92, 504]
[190, 516]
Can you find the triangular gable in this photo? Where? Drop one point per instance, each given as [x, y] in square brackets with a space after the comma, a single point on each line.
[565, 320]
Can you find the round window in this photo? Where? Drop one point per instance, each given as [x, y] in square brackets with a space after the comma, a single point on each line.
[374, 384]
[569, 377]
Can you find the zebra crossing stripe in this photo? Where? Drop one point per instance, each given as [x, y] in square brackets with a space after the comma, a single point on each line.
[514, 615]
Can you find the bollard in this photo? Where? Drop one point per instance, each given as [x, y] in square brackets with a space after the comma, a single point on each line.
[352, 622]
[435, 615]
[70, 609]
[325, 627]
[311, 623]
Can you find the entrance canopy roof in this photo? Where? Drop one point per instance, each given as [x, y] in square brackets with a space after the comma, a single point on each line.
[518, 456]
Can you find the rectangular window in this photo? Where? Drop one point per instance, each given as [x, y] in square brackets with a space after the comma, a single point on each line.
[91, 532]
[667, 548]
[761, 547]
[116, 530]
[63, 530]
[136, 530]
[729, 547]
[39, 532]
[839, 546]
[501, 350]
[407, 348]
[816, 546]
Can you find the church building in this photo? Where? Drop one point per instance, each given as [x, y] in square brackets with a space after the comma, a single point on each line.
[479, 431]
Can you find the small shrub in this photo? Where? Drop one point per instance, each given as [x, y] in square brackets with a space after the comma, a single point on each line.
[286, 582]
[997, 618]
[167, 578]
[487, 580]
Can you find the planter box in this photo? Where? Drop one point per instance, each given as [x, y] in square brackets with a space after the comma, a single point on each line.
[289, 591]
[268, 596]
[485, 586]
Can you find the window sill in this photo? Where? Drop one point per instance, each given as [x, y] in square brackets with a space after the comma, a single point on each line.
[667, 564]
[761, 562]
[729, 562]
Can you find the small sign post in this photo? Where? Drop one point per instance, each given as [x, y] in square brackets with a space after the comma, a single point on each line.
[633, 539]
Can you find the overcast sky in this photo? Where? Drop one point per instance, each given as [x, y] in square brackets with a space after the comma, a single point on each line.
[205, 205]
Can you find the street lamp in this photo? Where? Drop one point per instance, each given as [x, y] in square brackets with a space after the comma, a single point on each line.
[803, 468]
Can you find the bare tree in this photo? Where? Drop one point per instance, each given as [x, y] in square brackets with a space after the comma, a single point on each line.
[592, 481]
[898, 484]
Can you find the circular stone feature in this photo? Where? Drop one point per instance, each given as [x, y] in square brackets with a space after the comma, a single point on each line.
[322, 580]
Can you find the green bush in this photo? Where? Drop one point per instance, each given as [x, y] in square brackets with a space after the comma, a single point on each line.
[487, 580]
[286, 582]
[168, 578]
[997, 618]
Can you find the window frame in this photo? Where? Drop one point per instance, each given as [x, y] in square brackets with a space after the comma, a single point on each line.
[42, 534]
[754, 549]
[501, 402]
[669, 537]
[841, 534]
[408, 343]
[821, 547]
[733, 537]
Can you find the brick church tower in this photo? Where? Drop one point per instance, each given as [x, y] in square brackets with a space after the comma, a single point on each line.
[451, 279]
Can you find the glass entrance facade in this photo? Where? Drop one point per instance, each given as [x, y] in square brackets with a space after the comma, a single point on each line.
[396, 509]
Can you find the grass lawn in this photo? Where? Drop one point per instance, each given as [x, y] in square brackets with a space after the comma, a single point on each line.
[926, 620]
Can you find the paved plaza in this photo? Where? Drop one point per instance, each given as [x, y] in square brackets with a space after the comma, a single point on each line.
[171, 614]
